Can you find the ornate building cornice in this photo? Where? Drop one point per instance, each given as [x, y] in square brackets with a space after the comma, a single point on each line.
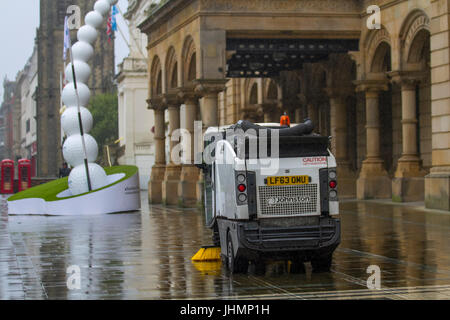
[167, 8]
[282, 5]
[132, 6]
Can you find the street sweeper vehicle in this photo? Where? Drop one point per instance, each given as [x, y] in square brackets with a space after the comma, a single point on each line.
[271, 194]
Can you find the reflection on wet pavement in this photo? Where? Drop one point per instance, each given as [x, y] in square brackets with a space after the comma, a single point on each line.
[146, 255]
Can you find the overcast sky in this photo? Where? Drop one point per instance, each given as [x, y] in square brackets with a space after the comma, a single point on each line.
[18, 23]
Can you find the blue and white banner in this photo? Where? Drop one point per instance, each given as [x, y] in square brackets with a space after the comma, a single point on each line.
[66, 38]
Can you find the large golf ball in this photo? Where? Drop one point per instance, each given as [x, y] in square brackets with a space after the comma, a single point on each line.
[82, 71]
[78, 183]
[83, 51]
[94, 19]
[87, 34]
[69, 96]
[73, 149]
[102, 7]
[71, 124]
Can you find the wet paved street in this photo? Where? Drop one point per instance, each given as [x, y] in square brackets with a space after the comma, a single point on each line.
[146, 255]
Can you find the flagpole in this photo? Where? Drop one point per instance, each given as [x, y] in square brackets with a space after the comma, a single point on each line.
[80, 121]
[61, 104]
[60, 90]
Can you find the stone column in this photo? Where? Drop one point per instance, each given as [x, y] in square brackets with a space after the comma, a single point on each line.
[301, 111]
[408, 183]
[268, 111]
[338, 124]
[437, 183]
[279, 110]
[173, 169]
[158, 170]
[313, 115]
[209, 91]
[373, 181]
[187, 187]
[298, 115]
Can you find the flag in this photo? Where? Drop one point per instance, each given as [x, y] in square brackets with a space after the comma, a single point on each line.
[115, 11]
[66, 38]
[109, 31]
[111, 25]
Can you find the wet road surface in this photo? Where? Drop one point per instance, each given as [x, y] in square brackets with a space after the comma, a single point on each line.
[146, 255]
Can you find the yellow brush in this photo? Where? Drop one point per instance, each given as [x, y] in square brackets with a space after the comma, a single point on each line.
[207, 254]
[208, 267]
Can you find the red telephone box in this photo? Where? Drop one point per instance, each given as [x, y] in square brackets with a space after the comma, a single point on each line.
[24, 174]
[7, 175]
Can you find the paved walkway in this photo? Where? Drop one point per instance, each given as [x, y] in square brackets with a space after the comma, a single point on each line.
[146, 255]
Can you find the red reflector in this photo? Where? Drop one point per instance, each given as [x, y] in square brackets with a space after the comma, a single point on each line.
[333, 184]
[242, 187]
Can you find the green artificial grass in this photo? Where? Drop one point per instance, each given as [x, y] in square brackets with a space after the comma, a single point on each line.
[49, 191]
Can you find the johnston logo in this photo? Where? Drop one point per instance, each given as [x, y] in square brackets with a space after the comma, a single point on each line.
[274, 201]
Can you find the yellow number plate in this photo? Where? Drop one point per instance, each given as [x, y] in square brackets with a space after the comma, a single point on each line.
[287, 181]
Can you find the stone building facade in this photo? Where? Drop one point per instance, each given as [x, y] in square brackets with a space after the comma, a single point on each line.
[50, 63]
[135, 120]
[10, 124]
[27, 82]
[383, 94]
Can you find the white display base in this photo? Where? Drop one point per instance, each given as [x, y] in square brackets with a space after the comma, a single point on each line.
[121, 197]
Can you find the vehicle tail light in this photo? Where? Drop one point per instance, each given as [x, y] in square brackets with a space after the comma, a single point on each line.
[241, 188]
[242, 197]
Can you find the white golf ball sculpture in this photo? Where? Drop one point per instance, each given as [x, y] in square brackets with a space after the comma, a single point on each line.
[73, 149]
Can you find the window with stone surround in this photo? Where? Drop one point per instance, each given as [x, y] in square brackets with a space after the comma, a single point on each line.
[61, 8]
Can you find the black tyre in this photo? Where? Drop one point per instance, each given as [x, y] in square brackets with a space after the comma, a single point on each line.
[322, 264]
[234, 264]
[216, 237]
[260, 267]
[297, 267]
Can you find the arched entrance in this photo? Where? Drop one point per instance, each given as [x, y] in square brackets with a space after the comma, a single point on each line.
[420, 57]
[273, 101]
[374, 181]
[382, 64]
[414, 80]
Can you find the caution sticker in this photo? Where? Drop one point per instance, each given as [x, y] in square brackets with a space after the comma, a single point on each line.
[314, 161]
